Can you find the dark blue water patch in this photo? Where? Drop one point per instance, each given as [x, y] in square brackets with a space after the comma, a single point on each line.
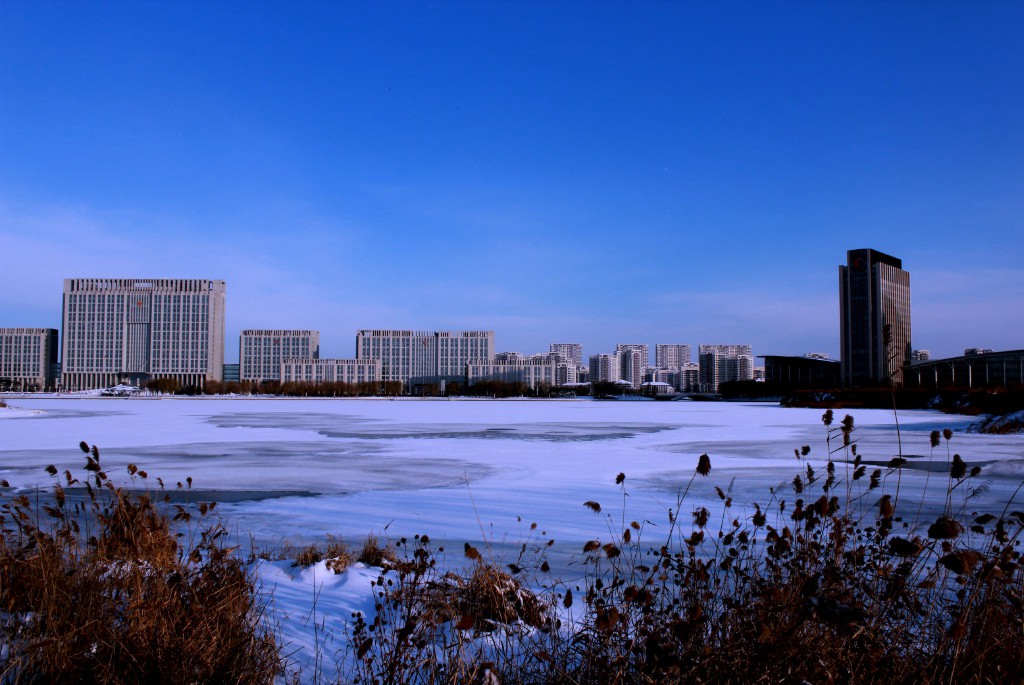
[362, 467]
[179, 495]
[69, 414]
[357, 428]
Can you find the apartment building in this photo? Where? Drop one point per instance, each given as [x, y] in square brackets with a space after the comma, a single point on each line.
[604, 368]
[722, 363]
[671, 356]
[571, 353]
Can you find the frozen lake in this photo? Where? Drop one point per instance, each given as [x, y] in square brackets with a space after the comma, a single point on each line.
[477, 471]
[467, 470]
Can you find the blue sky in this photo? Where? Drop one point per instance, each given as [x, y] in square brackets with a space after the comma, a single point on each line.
[554, 171]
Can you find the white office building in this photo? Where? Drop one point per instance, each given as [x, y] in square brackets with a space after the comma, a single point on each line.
[135, 329]
[314, 370]
[261, 352]
[27, 358]
[535, 371]
[423, 357]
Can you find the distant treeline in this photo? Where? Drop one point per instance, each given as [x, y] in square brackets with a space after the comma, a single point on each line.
[485, 388]
[173, 386]
[994, 401]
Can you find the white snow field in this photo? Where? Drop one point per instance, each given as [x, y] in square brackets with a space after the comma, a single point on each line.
[478, 471]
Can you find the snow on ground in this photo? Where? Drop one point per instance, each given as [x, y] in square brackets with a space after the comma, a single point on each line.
[478, 471]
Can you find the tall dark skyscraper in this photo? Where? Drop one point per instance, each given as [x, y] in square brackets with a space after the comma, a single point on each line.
[874, 311]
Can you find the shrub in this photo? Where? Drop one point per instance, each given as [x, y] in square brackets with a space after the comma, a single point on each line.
[102, 586]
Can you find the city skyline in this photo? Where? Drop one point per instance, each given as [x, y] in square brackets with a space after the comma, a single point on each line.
[467, 167]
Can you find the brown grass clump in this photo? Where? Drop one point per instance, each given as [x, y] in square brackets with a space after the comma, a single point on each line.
[308, 556]
[103, 586]
[336, 552]
[374, 554]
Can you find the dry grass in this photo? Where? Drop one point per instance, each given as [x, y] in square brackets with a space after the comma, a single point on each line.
[106, 586]
[372, 553]
[337, 553]
[836, 580]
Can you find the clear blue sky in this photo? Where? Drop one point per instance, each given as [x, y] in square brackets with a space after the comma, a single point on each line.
[554, 171]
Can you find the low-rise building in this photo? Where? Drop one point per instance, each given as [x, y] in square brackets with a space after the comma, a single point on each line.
[534, 372]
[806, 372]
[312, 370]
[978, 370]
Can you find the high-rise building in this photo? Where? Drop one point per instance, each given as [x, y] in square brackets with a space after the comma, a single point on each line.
[28, 357]
[874, 323]
[261, 352]
[631, 366]
[134, 329]
[689, 377]
[642, 349]
[424, 356]
[571, 353]
[671, 356]
[722, 363]
[604, 368]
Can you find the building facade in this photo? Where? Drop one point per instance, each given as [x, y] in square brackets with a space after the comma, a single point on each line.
[631, 367]
[641, 349]
[806, 372]
[723, 363]
[230, 374]
[415, 357]
[604, 368]
[134, 329]
[571, 353]
[874, 323]
[261, 352]
[315, 370]
[977, 370]
[28, 357]
[671, 356]
[535, 371]
[689, 378]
